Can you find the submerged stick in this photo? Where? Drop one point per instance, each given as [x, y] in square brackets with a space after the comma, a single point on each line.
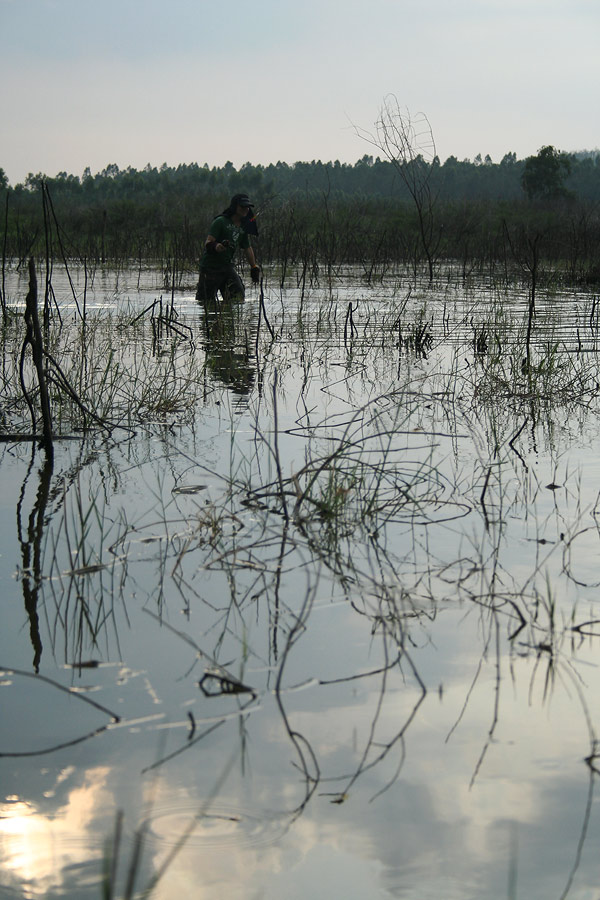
[264, 311]
[482, 498]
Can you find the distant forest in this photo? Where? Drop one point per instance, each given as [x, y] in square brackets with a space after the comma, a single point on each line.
[374, 213]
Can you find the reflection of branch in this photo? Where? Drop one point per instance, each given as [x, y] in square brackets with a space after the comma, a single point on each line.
[188, 640]
[383, 669]
[591, 763]
[31, 549]
[584, 828]
[466, 703]
[495, 715]
[300, 743]
[227, 684]
[494, 723]
[399, 736]
[186, 746]
[583, 626]
[114, 718]
[274, 628]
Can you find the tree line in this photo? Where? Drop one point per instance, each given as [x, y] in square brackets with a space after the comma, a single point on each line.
[315, 214]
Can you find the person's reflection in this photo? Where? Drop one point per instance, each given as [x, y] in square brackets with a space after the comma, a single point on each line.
[30, 539]
[229, 352]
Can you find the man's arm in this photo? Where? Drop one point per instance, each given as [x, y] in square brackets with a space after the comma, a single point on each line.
[254, 268]
[212, 245]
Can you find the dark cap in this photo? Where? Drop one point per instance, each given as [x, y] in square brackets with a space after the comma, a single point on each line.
[240, 200]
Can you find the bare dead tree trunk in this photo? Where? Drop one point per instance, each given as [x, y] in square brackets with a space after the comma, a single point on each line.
[33, 338]
[408, 143]
[527, 253]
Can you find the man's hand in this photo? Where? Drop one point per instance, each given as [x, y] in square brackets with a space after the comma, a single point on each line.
[216, 246]
[255, 274]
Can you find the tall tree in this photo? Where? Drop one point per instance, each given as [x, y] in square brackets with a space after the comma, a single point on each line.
[544, 175]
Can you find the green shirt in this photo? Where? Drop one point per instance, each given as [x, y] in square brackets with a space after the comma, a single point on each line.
[223, 230]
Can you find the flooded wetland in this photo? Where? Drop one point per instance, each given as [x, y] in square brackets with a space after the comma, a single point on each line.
[304, 602]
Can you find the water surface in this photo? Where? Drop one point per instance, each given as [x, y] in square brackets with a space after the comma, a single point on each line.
[319, 618]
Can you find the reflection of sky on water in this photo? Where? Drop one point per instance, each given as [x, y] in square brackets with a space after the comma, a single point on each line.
[41, 852]
[454, 807]
[428, 827]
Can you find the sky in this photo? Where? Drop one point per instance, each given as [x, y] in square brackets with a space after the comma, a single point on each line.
[88, 83]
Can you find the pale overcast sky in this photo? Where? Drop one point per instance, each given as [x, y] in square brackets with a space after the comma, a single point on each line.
[131, 82]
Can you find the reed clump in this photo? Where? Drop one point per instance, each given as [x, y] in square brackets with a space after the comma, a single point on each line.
[104, 373]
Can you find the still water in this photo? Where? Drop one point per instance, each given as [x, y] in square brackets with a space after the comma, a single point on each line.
[316, 616]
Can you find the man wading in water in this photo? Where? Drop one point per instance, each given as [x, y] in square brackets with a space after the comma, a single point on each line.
[227, 233]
